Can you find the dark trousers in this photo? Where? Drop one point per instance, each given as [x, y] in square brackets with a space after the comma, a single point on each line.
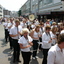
[6, 34]
[45, 53]
[35, 47]
[10, 41]
[40, 44]
[16, 51]
[26, 57]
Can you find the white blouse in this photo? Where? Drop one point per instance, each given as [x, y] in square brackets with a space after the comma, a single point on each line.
[53, 40]
[24, 42]
[55, 56]
[45, 39]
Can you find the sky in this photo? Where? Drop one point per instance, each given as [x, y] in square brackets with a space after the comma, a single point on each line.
[12, 5]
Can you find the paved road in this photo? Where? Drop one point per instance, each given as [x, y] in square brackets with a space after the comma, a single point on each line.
[6, 56]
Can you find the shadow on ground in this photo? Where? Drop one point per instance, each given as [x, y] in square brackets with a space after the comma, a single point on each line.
[34, 61]
[3, 44]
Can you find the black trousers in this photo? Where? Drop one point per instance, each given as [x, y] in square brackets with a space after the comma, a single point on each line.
[6, 34]
[40, 44]
[26, 57]
[45, 53]
[10, 41]
[35, 47]
[16, 51]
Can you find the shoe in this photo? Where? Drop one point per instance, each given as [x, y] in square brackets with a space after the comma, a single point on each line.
[19, 61]
[13, 61]
[11, 48]
[36, 56]
[33, 58]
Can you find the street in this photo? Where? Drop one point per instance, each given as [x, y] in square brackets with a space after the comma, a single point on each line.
[6, 56]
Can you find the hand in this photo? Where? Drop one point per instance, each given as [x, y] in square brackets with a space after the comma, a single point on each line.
[28, 46]
[50, 41]
[17, 34]
[54, 38]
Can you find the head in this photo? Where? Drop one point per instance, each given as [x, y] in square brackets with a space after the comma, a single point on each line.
[37, 28]
[17, 22]
[54, 30]
[42, 24]
[25, 32]
[48, 20]
[11, 20]
[61, 40]
[47, 28]
[54, 23]
[24, 20]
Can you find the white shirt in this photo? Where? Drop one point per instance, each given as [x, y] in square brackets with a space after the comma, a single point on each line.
[62, 32]
[9, 24]
[14, 31]
[24, 42]
[55, 56]
[36, 35]
[23, 25]
[53, 36]
[45, 39]
[5, 24]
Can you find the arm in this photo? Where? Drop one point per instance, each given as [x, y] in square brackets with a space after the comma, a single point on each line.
[31, 34]
[51, 58]
[31, 43]
[45, 41]
[22, 47]
[13, 35]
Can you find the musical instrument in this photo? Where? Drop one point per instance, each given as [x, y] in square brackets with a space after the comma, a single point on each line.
[31, 17]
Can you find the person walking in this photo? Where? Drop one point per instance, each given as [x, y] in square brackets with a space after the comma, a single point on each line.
[25, 44]
[56, 52]
[15, 34]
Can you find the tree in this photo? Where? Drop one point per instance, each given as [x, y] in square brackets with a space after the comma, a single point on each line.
[19, 12]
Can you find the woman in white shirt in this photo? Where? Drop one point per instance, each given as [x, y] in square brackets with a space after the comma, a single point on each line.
[25, 44]
[56, 52]
[46, 43]
[35, 34]
[53, 35]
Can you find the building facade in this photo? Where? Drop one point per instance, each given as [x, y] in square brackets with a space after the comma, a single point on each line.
[44, 8]
[51, 9]
[1, 11]
[6, 13]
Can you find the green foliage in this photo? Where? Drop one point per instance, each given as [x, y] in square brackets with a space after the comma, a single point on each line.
[19, 13]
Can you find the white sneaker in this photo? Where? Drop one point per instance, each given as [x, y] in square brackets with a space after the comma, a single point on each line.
[33, 58]
[36, 56]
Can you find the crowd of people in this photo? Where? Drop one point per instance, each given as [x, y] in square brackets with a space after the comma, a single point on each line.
[48, 37]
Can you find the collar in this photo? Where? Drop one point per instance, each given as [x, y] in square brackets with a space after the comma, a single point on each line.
[57, 47]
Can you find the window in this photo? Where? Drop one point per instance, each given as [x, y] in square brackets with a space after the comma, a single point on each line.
[0, 11]
[0, 15]
[47, 1]
[40, 4]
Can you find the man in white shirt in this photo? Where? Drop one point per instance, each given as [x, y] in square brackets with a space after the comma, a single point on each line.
[56, 52]
[14, 33]
[5, 24]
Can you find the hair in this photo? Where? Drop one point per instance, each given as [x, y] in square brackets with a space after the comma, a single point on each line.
[47, 27]
[60, 38]
[53, 30]
[54, 23]
[25, 30]
[38, 26]
[17, 20]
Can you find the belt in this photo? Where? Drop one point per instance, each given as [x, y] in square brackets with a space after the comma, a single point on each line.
[15, 39]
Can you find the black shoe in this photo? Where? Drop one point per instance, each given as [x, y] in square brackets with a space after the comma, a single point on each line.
[13, 61]
[19, 61]
[11, 48]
